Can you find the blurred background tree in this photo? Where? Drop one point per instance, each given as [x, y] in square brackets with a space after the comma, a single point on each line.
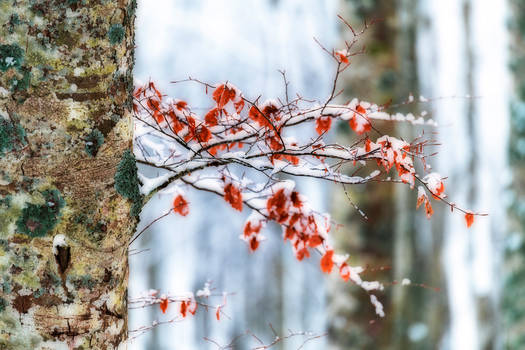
[514, 289]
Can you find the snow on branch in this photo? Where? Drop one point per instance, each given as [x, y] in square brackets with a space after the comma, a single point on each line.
[239, 139]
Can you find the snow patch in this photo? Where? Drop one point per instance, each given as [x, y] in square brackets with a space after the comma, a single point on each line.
[59, 241]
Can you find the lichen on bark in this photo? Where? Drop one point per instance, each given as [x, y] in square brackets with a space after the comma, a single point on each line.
[127, 182]
[38, 219]
[65, 122]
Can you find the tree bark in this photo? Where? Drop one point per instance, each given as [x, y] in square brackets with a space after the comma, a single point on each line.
[65, 125]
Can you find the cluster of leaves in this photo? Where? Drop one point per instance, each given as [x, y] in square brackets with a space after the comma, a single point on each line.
[208, 152]
[239, 132]
[185, 305]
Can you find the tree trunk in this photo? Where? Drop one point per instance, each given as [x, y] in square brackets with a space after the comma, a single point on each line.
[65, 128]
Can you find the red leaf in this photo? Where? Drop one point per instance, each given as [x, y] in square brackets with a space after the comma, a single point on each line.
[163, 305]
[323, 124]
[159, 117]
[292, 159]
[341, 56]
[301, 254]
[176, 124]
[218, 313]
[181, 105]
[233, 196]
[360, 122]
[274, 142]
[211, 117]
[138, 91]
[428, 209]
[239, 106]
[223, 94]
[469, 218]
[344, 271]
[254, 243]
[422, 198]
[296, 201]
[439, 190]
[249, 229]
[277, 206]
[203, 134]
[368, 145]
[290, 232]
[257, 116]
[213, 150]
[265, 117]
[180, 205]
[151, 86]
[327, 262]
[153, 104]
[183, 308]
[315, 240]
[271, 111]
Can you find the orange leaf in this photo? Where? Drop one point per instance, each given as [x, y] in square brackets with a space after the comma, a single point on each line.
[274, 141]
[153, 104]
[301, 254]
[176, 124]
[254, 243]
[344, 271]
[323, 124]
[233, 196]
[138, 91]
[326, 261]
[159, 117]
[315, 240]
[257, 116]
[292, 159]
[277, 206]
[266, 116]
[428, 209]
[341, 56]
[239, 106]
[163, 305]
[183, 308]
[211, 117]
[249, 229]
[181, 105]
[368, 146]
[218, 313]
[296, 201]
[469, 218]
[213, 150]
[438, 191]
[359, 121]
[222, 95]
[180, 205]
[203, 134]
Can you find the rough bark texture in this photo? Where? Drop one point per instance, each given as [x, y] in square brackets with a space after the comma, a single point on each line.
[65, 124]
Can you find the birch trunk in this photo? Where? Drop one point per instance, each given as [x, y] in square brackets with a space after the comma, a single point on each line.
[65, 125]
